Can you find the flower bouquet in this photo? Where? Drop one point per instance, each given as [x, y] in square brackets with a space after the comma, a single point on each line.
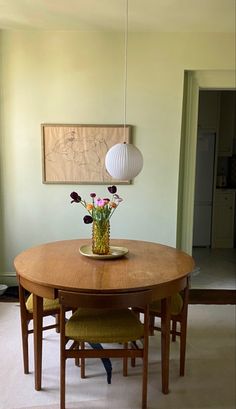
[100, 211]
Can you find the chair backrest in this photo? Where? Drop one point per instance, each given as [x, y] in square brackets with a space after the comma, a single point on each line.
[104, 300]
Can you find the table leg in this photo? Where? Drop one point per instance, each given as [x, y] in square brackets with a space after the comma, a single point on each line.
[38, 320]
[165, 343]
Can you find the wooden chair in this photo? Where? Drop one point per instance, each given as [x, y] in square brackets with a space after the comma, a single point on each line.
[50, 307]
[104, 318]
[179, 312]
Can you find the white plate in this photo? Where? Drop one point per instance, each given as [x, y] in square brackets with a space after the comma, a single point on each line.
[115, 252]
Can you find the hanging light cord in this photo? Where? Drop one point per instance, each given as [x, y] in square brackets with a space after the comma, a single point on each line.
[125, 67]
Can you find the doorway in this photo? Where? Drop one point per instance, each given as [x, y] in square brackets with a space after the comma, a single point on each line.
[194, 83]
[215, 187]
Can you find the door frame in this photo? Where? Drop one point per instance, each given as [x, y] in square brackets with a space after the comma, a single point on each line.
[194, 81]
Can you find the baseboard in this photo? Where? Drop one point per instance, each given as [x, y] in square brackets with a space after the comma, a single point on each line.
[212, 296]
[8, 278]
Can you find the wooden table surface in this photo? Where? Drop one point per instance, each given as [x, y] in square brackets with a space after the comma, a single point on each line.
[59, 265]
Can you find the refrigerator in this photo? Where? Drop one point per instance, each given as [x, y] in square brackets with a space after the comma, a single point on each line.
[204, 182]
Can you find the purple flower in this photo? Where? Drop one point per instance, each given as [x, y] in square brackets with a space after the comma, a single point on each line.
[100, 202]
[112, 189]
[92, 195]
[88, 219]
[76, 198]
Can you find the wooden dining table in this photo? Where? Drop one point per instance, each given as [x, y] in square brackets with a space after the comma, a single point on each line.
[49, 267]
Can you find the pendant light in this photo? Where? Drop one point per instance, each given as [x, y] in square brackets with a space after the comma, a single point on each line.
[124, 161]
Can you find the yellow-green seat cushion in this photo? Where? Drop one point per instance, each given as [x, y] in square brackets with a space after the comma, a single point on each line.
[47, 304]
[104, 326]
[176, 305]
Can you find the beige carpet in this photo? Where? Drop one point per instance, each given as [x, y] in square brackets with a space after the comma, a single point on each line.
[82, 405]
[209, 382]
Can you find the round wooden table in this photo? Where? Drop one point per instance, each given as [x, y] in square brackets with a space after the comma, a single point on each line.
[47, 268]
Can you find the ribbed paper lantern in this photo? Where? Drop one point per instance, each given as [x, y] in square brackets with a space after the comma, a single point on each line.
[123, 161]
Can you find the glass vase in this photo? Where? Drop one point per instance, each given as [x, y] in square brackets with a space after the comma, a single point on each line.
[101, 237]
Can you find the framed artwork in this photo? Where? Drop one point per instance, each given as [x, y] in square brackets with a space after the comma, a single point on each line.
[76, 153]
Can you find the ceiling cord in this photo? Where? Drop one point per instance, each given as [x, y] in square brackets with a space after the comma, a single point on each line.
[125, 59]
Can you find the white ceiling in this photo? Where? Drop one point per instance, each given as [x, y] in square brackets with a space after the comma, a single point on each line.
[144, 15]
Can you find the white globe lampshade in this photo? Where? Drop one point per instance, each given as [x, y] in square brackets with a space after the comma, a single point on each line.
[124, 161]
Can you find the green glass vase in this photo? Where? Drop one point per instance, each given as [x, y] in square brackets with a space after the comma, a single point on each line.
[101, 237]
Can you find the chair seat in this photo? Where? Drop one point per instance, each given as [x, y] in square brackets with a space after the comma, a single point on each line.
[104, 326]
[175, 308]
[47, 304]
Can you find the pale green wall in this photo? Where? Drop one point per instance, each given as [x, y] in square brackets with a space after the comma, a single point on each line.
[74, 77]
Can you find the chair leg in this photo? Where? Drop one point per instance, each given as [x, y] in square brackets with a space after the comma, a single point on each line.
[183, 331]
[183, 337]
[145, 359]
[38, 328]
[133, 362]
[174, 327]
[165, 343]
[24, 330]
[133, 359]
[62, 360]
[82, 362]
[63, 383]
[77, 360]
[125, 362]
[57, 319]
[151, 324]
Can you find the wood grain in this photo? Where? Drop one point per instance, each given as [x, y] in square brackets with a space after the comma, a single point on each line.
[59, 265]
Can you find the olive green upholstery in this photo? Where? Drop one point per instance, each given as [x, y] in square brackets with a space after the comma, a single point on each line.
[104, 326]
[47, 304]
[175, 307]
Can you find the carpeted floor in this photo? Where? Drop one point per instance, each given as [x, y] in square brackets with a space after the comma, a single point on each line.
[209, 382]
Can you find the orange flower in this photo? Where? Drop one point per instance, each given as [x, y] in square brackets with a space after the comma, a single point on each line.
[89, 206]
[113, 205]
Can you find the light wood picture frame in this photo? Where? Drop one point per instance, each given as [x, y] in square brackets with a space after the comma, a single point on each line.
[75, 154]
